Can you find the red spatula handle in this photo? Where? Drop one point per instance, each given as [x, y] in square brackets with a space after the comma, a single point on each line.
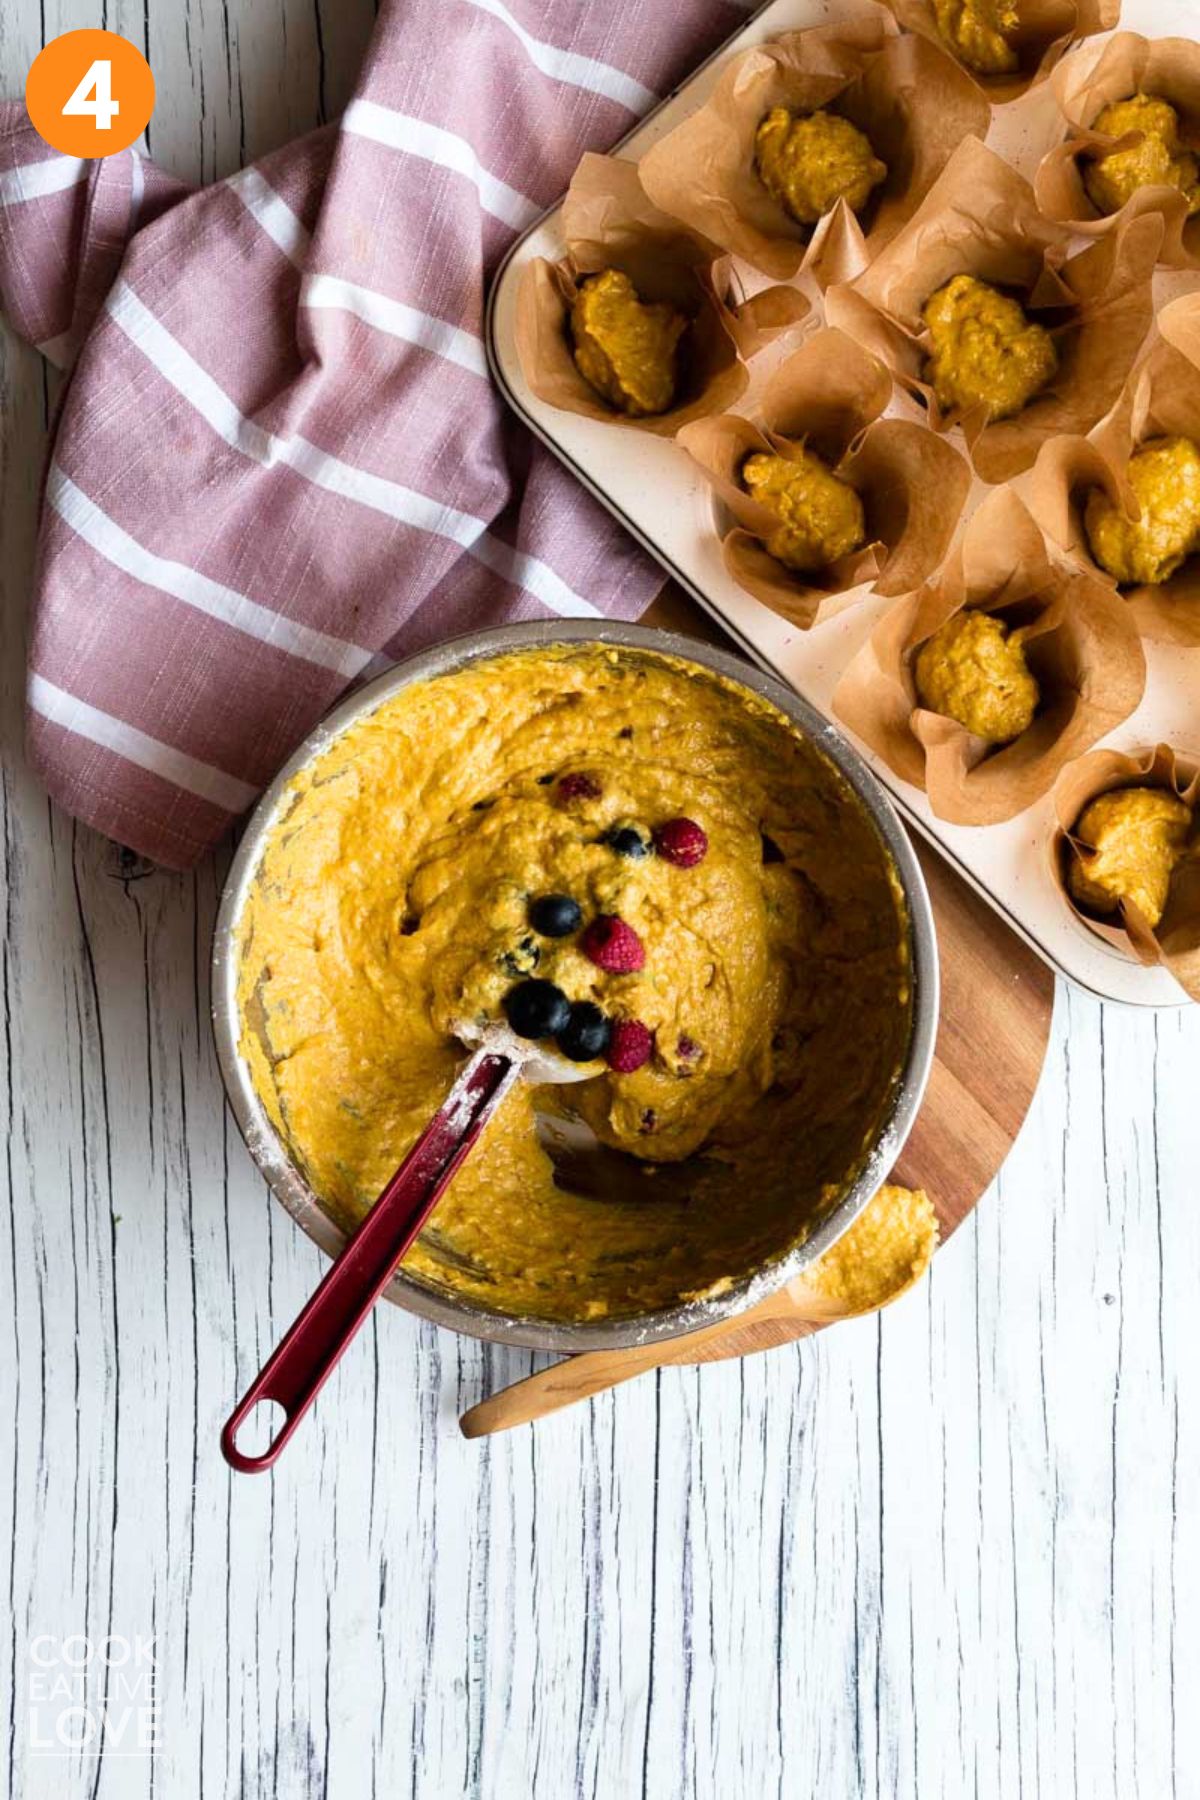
[294, 1374]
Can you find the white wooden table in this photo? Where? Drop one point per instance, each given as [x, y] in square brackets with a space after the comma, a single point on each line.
[952, 1552]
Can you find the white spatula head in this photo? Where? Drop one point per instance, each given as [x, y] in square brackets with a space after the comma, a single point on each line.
[539, 1061]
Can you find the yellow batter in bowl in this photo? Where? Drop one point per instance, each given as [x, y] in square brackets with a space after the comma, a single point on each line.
[984, 350]
[808, 162]
[973, 669]
[980, 33]
[1157, 161]
[398, 892]
[820, 516]
[1165, 477]
[1139, 836]
[626, 347]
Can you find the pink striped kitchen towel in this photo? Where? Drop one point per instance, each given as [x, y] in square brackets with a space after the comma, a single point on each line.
[280, 457]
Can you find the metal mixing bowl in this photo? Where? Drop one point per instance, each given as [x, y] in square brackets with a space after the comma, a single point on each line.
[271, 1154]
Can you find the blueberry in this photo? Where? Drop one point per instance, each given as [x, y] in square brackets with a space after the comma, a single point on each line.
[627, 840]
[585, 1033]
[537, 1009]
[522, 959]
[555, 915]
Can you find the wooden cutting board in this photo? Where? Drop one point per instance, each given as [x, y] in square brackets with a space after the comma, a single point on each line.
[997, 1001]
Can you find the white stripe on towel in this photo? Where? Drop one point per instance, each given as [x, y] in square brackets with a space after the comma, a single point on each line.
[400, 131]
[116, 546]
[324, 470]
[183, 771]
[33, 181]
[272, 212]
[568, 66]
[396, 318]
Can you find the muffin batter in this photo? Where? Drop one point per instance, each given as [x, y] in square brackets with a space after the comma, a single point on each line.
[626, 347]
[980, 33]
[810, 162]
[889, 1246]
[1157, 161]
[432, 862]
[973, 669]
[1139, 836]
[985, 351]
[1165, 477]
[820, 516]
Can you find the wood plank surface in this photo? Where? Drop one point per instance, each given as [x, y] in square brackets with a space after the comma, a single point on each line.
[949, 1552]
[996, 1002]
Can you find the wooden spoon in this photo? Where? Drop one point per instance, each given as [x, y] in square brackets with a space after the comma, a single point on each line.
[794, 1312]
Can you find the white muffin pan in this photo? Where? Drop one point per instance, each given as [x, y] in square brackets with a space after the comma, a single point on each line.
[664, 501]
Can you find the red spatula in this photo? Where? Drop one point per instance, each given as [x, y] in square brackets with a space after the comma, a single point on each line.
[294, 1374]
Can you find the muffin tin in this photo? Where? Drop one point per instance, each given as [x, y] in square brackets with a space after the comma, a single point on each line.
[652, 486]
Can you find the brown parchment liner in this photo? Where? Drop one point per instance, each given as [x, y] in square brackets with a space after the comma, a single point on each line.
[830, 395]
[1175, 942]
[1168, 68]
[1048, 29]
[1081, 644]
[610, 223]
[913, 104]
[1160, 398]
[980, 219]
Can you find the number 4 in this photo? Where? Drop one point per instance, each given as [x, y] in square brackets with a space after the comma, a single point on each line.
[101, 106]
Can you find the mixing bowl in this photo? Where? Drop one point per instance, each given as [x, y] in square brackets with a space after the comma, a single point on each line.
[888, 1132]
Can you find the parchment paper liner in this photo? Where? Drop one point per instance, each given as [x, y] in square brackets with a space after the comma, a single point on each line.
[1082, 647]
[831, 395]
[703, 171]
[1175, 943]
[609, 222]
[1160, 398]
[1048, 28]
[1166, 67]
[980, 219]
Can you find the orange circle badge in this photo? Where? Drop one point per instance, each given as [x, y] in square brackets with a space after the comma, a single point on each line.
[89, 93]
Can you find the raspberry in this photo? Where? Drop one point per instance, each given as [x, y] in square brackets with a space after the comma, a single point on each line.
[629, 1046]
[612, 945]
[682, 842]
[687, 1047]
[577, 787]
